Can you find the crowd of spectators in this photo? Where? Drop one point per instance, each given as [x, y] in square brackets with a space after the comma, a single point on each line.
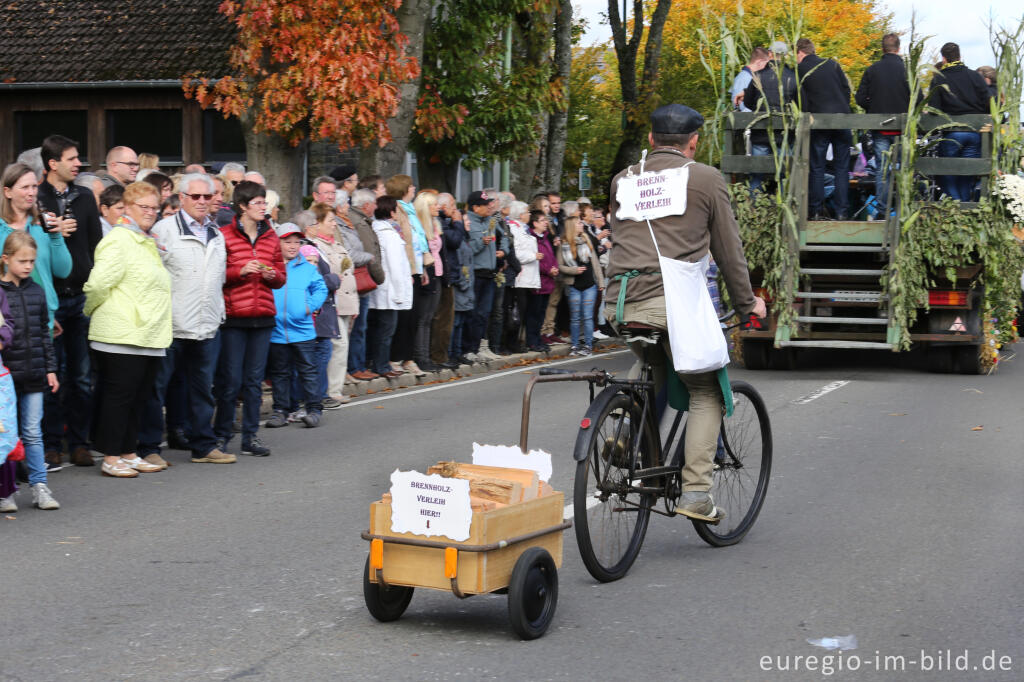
[140, 309]
[819, 85]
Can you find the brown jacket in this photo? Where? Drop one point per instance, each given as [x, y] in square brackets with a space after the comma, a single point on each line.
[708, 223]
[568, 272]
[370, 242]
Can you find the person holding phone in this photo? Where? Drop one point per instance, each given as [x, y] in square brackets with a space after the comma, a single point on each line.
[18, 211]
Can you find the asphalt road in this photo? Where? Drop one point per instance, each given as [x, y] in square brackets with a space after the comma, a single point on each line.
[890, 517]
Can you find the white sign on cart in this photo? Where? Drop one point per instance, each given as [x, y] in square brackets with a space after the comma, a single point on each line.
[430, 505]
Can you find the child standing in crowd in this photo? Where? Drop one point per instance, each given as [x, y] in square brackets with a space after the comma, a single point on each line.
[29, 357]
[293, 341]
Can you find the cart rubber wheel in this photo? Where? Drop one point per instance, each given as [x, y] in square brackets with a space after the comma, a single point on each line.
[533, 593]
[755, 354]
[384, 603]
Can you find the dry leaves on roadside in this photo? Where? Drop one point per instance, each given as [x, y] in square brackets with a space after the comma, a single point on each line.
[977, 428]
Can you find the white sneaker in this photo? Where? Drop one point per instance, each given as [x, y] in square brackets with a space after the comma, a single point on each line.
[486, 355]
[297, 415]
[472, 357]
[7, 504]
[141, 465]
[43, 498]
[600, 335]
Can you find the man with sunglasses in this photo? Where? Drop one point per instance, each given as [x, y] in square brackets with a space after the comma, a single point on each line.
[192, 249]
[122, 167]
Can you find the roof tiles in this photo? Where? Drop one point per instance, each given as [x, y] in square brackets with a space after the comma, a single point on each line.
[103, 40]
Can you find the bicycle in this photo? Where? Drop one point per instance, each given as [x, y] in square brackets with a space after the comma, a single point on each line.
[621, 472]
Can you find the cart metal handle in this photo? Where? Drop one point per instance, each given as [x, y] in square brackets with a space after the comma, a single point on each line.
[416, 542]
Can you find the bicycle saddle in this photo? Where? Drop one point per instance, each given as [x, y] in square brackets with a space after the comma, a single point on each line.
[638, 332]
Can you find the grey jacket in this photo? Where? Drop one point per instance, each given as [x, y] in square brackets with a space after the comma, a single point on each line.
[484, 255]
[463, 284]
[368, 238]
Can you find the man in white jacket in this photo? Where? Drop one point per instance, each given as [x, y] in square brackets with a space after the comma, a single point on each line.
[192, 249]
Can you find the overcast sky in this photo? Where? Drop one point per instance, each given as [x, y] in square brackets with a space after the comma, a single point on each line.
[959, 21]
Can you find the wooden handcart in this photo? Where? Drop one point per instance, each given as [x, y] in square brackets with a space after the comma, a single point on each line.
[515, 549]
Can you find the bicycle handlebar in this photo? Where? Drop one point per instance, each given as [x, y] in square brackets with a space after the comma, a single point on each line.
[551, 371]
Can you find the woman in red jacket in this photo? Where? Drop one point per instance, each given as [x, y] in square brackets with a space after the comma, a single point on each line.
[254, 267]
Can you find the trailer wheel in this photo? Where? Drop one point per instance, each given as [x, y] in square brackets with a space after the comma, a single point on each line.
[533, 593]
[755, 354]
[968, 359]
[940, 359]
[384, 603]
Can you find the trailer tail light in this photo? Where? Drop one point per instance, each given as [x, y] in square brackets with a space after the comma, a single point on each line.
[947, 298]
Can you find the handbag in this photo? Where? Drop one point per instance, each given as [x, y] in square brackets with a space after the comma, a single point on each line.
[364, 282]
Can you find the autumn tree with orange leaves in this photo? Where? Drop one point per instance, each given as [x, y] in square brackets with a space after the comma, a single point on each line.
[309, 70]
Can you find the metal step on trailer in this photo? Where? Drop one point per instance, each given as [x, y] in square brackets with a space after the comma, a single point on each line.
[865, 345]
[837, 248]
[846, 272]
[859, 296]
[842, 320]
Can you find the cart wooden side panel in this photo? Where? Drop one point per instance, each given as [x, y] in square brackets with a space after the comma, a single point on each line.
[478, 572]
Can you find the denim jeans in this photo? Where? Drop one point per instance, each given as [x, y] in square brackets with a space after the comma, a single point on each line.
[758, 149]
[322, 350]
[380, 329]
[581, 313]
[72, 405]
[240, 370]
[483, 290]
[196, 362]
[887, 149]
[357, 360]
[460, 323]
[30, 429]
[299, 357]
[962, 145]
[841, 140]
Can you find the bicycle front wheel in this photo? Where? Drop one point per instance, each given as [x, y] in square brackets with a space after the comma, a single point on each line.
[743, 466]
[609, 514]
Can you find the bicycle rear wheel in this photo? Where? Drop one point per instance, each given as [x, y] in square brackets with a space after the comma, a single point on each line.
[742, 468]
[609, 515]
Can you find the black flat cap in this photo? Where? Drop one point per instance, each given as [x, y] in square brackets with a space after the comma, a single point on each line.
[341, 173]
[675, 119]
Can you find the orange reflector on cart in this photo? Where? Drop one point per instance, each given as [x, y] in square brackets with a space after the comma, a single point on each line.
[451, 562]
[944, 297]
[376, 554]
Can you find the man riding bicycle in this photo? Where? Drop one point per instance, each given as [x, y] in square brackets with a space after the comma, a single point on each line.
[705, 222]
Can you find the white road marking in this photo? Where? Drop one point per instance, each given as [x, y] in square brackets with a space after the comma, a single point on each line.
[827, 388]
[465, 382]
[567, 513]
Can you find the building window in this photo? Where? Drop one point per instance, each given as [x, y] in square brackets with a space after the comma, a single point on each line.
[222, 138]
[411, 168]
[465, 183]
[32, 127]
[157, 131]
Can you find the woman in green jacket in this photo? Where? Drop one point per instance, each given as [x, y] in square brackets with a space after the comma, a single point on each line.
[128, 296]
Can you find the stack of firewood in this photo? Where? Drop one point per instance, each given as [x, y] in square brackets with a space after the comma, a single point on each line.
[492, 487]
